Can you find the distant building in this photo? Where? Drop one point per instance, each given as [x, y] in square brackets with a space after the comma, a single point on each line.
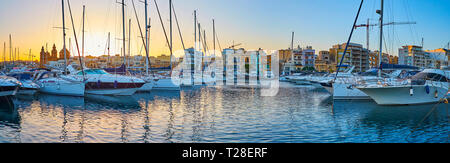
[356, 56]
[324, 62]
[373, 59]
[412, 55]
[285, 55]
[299, 59]
[46, 57]
[439, 57]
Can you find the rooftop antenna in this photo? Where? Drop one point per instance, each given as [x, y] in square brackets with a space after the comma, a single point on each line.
[422, 42]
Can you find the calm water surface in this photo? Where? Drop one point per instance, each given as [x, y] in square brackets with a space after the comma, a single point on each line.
[298, 114]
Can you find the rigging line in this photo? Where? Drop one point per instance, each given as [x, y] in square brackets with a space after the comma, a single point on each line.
[179, 30]
[162, 24]
[349, 39]
[76, 41]
[140, 30]
[217, 38]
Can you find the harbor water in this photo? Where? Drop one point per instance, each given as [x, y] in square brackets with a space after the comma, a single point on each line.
[297, 114]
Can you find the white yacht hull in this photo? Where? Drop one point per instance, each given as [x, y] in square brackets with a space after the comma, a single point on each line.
[65, 89]
[348, 92]
[147, 87]
[165, 84]
[28, 88]
[400, 95]
[28, 92]
[115, 92]
[7, 93]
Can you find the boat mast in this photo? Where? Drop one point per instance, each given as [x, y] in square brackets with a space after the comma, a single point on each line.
[147, 35]
[129, 43]
[142, 36]
[348, 41]
[76, 41]
[82, 44]
[214, 38]
[31, 58]
[195, 30]
[10, 49]
[381, 38]
[171, 43]
[64, 38]
[109, 40]
[292, 47]
[4, 55]
[123, 23]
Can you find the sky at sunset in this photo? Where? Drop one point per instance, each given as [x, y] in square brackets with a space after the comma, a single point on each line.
[256, 24]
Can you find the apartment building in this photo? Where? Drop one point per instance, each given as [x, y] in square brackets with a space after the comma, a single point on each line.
[356, 56]
[412, 55]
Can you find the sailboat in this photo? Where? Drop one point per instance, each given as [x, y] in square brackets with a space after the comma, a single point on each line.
[54, 83]
[166, 82]
[29, 87]
[8, 85]
[149, 80]
[60, 83]
[428, 86]
[100, 82]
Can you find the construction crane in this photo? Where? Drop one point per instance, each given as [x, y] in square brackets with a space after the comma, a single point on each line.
[234, 45]
[368, 25]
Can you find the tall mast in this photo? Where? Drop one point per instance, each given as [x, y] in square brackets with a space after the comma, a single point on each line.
[195, 30]
[292, 47]
[171, 43]
[129, 43]
[142, 36]
[109, 40]
[200, 38]
[31, 58]
[10, 49]
[147, 35]
[381, 37]
[64, 38]
[368, 34]
[82, 35]
[4, 55]
[214, 38]
[123, 23]
[76, 41]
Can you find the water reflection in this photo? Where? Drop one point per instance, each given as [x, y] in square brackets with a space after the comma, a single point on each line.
[392, 123]
[8, 113]
[296, 114]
